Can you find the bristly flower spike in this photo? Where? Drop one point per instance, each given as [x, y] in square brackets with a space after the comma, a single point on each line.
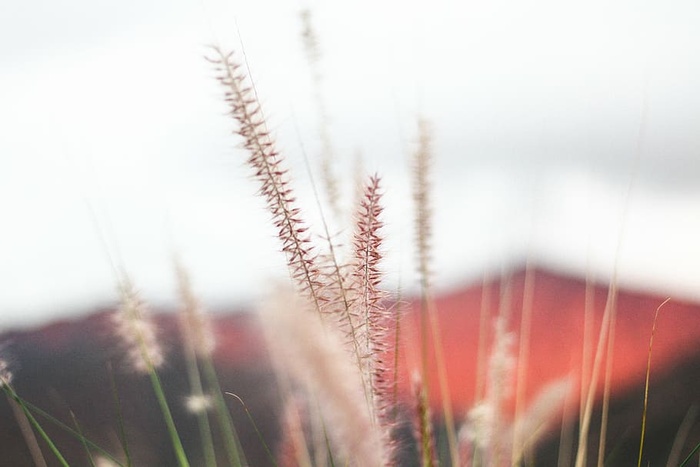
[374, 319]
[270, 173]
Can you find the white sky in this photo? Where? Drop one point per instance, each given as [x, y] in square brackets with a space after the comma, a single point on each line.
[546, 117]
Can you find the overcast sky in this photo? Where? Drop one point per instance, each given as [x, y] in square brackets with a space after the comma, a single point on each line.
[557, 128]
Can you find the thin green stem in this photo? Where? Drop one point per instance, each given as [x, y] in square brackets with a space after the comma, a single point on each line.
[690, 456]
[11, 393]
[120, 418]
[70, 431]
[168, 417]
[646, 383]
[202, 415]
[82, 439]
[255, 427]
[27, 433]
[233, 449]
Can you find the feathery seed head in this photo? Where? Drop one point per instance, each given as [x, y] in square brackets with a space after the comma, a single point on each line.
[269, 172]
[502, 363]
[309, 38]
[479, 429]
[198, 403]
[194, 323]
[421, 197]
[315, 356]
[373, 319]
[134, 326]
[367, 243]
[5, 373]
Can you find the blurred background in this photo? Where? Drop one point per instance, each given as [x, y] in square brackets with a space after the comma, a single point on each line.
[566, 135]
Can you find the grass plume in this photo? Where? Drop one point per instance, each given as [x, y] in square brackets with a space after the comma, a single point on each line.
[134, 326]
[315, 356]
[270, 173]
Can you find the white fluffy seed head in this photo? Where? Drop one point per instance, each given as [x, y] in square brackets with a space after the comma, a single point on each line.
[135, 328]
[195, 325]
[198, 403]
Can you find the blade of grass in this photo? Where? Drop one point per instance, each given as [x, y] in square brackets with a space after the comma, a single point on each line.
[609, 359]
[70, 431]
[690, 456]
[198, 342]
[168, 417]
[587, 354]
[423, 226]
[255, 427]
[82, 438]
[646, 383]
[581, 452]
[27, 433]
[35, 424]
[523, 357]
[233, 449]
[609, 315]
[120, 418]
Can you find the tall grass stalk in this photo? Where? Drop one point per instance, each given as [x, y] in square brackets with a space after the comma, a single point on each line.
[423, 430]
[82, 439]
[586, 375]
[646, 383]
[429, 325]
[234, 451]
[605, 326]
[75, 434]
[332, 333]
[121, 431]
[523, 356]
[687, 460]
[312, 51]
[199, 342]
[168, 417]
[134, 326]
[481, 353]
[339, 302]
[10, 392]
[269, 171]
[27, 433]
[303, 265]
[373, 318]
[21, 418]
[255, 427]
[607, 386]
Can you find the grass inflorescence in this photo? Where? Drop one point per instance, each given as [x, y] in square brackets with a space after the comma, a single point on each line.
[333, 335]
